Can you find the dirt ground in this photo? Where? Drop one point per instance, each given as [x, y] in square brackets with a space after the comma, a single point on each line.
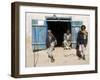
[62, 57]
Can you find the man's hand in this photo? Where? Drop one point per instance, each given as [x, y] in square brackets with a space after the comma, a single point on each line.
[85, 32]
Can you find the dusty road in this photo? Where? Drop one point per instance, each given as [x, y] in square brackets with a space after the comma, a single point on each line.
[62, 57]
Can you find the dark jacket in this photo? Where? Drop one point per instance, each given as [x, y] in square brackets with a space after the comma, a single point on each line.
[49, 41]
[81, 40]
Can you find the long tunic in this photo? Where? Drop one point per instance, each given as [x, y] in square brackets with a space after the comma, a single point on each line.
[82, 38]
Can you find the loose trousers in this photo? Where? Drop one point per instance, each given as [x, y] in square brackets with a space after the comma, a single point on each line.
[50, 49]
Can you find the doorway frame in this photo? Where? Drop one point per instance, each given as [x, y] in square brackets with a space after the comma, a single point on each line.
[66, 19]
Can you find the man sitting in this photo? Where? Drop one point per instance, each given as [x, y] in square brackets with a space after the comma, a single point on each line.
[67, 40]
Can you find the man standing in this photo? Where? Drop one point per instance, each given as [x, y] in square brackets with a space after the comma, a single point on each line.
[82, 39]
[51, 42]
[67, 40]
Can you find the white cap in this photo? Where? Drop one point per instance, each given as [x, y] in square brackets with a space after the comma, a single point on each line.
[49, 30]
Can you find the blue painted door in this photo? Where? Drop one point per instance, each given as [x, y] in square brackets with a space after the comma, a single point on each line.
[39, 33]
[76, 25]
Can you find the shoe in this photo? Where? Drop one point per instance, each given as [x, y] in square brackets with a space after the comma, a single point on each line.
[49, 56]
[52, 59]
[83, 57]
[66, 48]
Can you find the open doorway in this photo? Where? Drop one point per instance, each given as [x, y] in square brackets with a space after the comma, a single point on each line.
[58, 27]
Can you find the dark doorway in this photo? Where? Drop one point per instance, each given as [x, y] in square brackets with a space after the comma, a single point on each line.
[58, 28]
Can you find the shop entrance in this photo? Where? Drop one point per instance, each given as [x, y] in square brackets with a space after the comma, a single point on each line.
[58, 27]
